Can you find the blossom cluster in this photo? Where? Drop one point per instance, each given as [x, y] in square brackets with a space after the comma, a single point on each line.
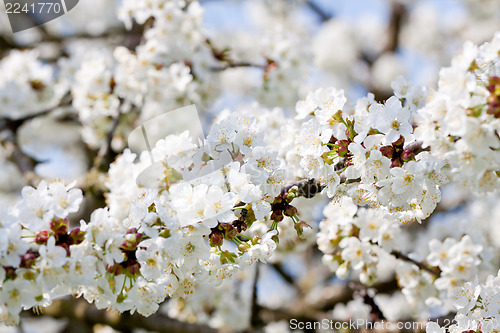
[109, 82]
[460, 121]
[171, 239]
[477, 307]
[371, 154]
[27, 85]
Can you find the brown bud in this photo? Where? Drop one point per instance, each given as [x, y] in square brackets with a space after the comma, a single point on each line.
[396, 163]
[115, 269]
[407, 155]
[387, 151]
[41, 237]
[10, 272]
[134, 268]
[231, 232]
[59, 226]
[76, 236]
[290, 211]
[399, 143]
[277, 216]
[28, 260]
[216, 238]
[240, 225]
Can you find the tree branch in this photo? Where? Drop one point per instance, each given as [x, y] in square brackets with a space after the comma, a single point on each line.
[25, 163]
[398, 14]
[422, 266]
[287, 277]
[318, 11]
[103, 156]
[231, 64]
[78, 310]
[15, 124]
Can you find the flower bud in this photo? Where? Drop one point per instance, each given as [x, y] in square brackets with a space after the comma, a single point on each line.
[337, 117]
[396, 163]
[387, 151]
[121, 298]
[10, 273]
[228, 230]
[493, 84]
[243, 247]
[216, 238]
[290, 211]
[42, 236]
[231, 232]
[303, 229]
[37, 85]
[59, 226]
[342, 149]
[493, 106]
[278, 200]
[239, 225]
[348, 162]
[134, 269]
[130, 238]
[399, 143]
[28, 260]
[76, 236]
[291, 194]
[407, 155]
[115, 269]
[349, 134]
[132, 231]
[277, 216]
[475, 111]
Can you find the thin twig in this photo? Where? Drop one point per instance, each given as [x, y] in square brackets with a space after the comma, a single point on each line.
[287, 277]
[419, 264]
[398, 13]
[236, 65]
[14, 124]
[105, 150]
[318, 11]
